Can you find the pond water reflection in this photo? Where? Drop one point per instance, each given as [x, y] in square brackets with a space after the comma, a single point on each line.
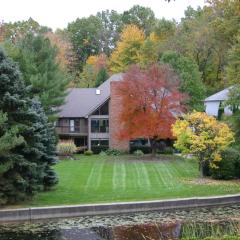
[166, 225]
[133, 232]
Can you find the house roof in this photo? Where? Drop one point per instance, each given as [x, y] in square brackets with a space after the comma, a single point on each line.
[80, 102]
[219, 96]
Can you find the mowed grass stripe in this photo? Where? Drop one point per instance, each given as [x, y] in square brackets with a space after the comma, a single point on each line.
[106, 179]
[79, 169]
[174, 176]
[163, 176]
[131, 178]
[143, 180]
[155, 178]
[169, 174]
[119, 176]
[95, 176]
[185, 168]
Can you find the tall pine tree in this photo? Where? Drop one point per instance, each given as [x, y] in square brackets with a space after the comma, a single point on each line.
[25, 162]
[38, 64]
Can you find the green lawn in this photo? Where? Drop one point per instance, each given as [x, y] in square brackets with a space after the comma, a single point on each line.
[92, 179]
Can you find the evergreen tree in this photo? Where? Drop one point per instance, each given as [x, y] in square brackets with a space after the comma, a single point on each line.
[26, 161]
[38, 64]
[101, 77]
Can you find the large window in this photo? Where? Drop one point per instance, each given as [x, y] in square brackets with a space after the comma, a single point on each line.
[100, 142]
[74, 125]
[99, 126]
[103, 110]
[140, 142]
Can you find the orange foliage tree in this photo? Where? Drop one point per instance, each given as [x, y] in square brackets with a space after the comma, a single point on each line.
[64, 53]
[151, 102]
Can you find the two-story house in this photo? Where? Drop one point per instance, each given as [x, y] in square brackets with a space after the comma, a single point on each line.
[90, 116]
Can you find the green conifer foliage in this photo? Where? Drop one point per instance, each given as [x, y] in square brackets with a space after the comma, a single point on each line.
[101, 77]
[37, 62]
[27, 137]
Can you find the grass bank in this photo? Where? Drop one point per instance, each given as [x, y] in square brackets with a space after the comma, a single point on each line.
[92, 179]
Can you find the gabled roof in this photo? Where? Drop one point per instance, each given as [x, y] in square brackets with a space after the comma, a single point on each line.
[80, 102]
[219, 96]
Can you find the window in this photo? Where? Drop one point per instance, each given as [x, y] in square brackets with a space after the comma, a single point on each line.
[80, 141]
[72, 125]
[99, 126]
[77, 125]
[94, 126]
[140, 142]
[100, 142]
[103, 110]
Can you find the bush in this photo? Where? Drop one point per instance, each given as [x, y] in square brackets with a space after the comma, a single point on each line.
[161, 146]
[145, 149]
[102, 153]
[88, 153]
[113, 152]
[229, 166]
[98, 149]
[66, 148]
[138, 153]
[168, 150]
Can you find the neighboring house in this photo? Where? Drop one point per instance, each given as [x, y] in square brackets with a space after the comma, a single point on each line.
[90, 116]
[214, 105]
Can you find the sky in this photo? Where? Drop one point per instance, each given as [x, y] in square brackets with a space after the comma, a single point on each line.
[58, 13]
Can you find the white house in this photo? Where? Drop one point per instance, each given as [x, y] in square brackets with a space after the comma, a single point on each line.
[214, 105]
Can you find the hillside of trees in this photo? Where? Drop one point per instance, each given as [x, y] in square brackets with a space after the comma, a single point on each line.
[90, 49]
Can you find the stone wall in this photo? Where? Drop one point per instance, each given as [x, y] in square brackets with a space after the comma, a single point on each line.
[28, 214]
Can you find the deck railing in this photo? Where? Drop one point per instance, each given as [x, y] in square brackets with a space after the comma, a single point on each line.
[71, 129]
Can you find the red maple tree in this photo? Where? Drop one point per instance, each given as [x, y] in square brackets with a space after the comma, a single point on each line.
[151, 102]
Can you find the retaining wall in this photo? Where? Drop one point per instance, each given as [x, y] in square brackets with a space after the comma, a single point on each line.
[28, 214]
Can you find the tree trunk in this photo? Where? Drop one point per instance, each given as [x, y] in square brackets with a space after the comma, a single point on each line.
[201, 169]
[154, 147]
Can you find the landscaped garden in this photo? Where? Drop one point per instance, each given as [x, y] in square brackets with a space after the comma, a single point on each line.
[96, 178]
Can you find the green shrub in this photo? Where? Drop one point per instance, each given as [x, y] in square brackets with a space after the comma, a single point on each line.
[210, 230]
[145, 149]
[98, 149]
[66, 148]
[138, 153]
[168, 150]
[88, 153]
[113, 152]
[229, 166]
[102, 153]
[215, 238]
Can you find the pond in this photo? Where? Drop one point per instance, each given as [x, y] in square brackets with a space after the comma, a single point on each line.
[197, 223]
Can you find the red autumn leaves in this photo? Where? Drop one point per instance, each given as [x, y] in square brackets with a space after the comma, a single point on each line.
[151, 101]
